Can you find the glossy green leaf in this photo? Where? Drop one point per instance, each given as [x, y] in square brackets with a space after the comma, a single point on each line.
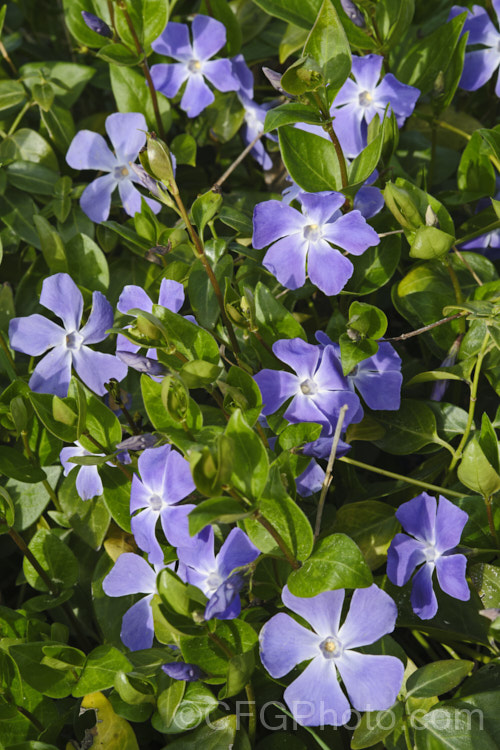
[310, 159]
[437, 678]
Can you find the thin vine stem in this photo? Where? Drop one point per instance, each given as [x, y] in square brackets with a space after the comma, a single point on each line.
[419, 331]
[400, 477]
[217, 185]
[277, 538]
[329, 469]
[333, 137]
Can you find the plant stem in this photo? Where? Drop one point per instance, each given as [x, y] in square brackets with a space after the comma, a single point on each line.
[406, 731]
[19, 541]
[238, 160]
[441, 322]
[278, 539]
[252, 719]
[468, 266]
[145, 68]
[458, 292]
[28, 715]
[18, 119]
[333, 137]
[478, 232]
[105, 451]
[329, 470]
[392, 475]
[472, 406]
[491, 522]
[215, 638]
[200, 254]
[6, 349]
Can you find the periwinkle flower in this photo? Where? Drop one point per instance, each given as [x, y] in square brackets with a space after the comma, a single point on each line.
[89, 150]
[165, 481]
[480, 64]
[218, 576]
[318, 388]
[88, 481]
[253, 125]
[353, 13]
[138, 442]
[97, 24]
[179, 670]
[131, 574]
[69, 346]
[315, 698]
[194, 63]
[142, 364]
[311, 480]
[298, 239]
[359, 100]
[435, 530]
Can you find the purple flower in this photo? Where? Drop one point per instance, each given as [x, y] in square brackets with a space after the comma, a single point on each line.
[138, 442]
[194, 63]
[69, 346]
[89, 150]
[315, 698]
[318, 389]
[244, 75]
[435, 533]
[131, 574]
[377, 378]
[297, 238]
[322, 446]
[179, 670]
[172, 297]
[165, 481]
[487, 244]
[359, 100]
[97, 24]
[480, 64]
[218, 576]
[88, 481]
[353, 13]
[311, 480]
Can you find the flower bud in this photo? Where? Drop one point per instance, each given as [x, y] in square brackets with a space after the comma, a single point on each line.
[160, 160]
[97, 24]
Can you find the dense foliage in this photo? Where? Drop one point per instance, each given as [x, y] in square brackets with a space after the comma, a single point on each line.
[249, 374]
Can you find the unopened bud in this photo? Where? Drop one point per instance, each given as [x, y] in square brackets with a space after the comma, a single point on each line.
[353, 13]
[142, 364]
[431, 217]
[160, 160]
[137, 442]
[97, 24]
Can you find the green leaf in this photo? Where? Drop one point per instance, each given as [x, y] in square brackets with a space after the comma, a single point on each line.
[475, 171]
[335, 563]
[204, 209]
[118, 54]
[367, 320]
[375, 726]
[197, 704]
[310, 159]
[429, 56]
[409, 429]
[431, 242]
[190, 339]
[327, 44]
[55, 558]
[223, 12]
[12, 94]
[183, 147]
[250, 462]
[302, 13]
[239, 672]
[132, 95]
[57, 414]
[450, 728]
[221, 509]
[475, 470]
[365, 163]
[99, 670]
[169, 700]
[372, 525]
[290, 113]
[273, 319]
[17, 211]
[375, 267]
[52, 246]
[7, 512]
[31, 177]
[90, 519]
[116, 494]
[60, 126]
[201, 292]
[437, 678]
[15, 466]
[87, 263]
[241, 392]
[353, 352]
[30, 500]
[36, 669]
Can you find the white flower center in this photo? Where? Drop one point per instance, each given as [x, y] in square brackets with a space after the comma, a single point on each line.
[74, 340]
[312, 232]
[431, 554]
[365, 99]
[253, 121]
[156, 502]
[309, 387]
[194, 66]
[331, 648]
[213, 581]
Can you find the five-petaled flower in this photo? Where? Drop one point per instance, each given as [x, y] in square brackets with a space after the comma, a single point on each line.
[318, 388]
[89, 150]
[218, 576]
[165, 481]
[315, 698]
[194, 63]
[69, 346]
[435, 534]
[297, 239]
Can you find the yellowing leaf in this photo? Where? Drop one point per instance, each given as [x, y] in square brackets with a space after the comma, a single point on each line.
[112, 732]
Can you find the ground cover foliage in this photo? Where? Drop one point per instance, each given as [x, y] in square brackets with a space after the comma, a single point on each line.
[249, 369]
